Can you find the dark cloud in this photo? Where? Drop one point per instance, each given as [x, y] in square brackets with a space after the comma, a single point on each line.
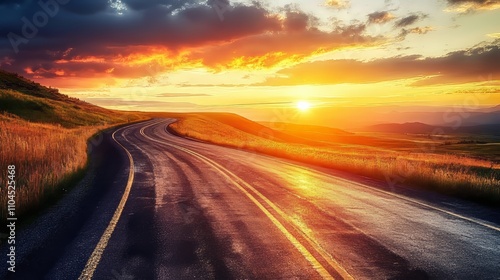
[86, 7]
[98, 31]
[147, 4]
[296, 21]
[101, 42]
[12, 2]
[190, 26]
[380, 17]
[457, 67]
[415, 30]
[409, 20]
[27, 8]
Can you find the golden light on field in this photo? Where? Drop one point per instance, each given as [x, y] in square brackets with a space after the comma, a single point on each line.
[303, 106]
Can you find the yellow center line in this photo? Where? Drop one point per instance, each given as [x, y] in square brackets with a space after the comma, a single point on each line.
[93, 261]
[301, 248]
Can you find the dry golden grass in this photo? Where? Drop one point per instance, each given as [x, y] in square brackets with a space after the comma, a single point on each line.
[44, 155]
[453, 174]
[44, 134]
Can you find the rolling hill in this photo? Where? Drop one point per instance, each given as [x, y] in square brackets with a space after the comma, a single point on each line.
[44, 134]
[253, 128]
[413, 128]
[368, 156]
[36, 103]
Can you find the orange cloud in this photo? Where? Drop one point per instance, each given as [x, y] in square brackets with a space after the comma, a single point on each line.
[339, 4]
[80, 59]
[458, 67]
[380, 17]
[464, 6]
[298, 39]
[249, 37]
[274, 49]
[421, 30]
[104, 41]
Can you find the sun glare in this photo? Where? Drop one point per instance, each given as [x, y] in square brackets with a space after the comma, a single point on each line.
[303, 105]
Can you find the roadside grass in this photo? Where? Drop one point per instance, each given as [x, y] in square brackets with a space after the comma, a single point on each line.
[44, 134]
[458, 175]
[46, 139]
[47, 157]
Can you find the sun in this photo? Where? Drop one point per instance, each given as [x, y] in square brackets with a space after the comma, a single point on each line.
[303, 106]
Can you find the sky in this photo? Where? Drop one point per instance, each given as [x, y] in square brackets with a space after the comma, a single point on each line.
[246, 56]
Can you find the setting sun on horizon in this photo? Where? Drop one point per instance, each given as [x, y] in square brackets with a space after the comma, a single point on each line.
[303, 106]
[250, 139]
[251, 58]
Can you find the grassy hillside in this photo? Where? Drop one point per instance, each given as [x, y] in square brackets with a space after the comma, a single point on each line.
[313, 130]
[44, 134]
[462, 176]
[12, 81]
[66, 114]
[253, 128]
[36, 103]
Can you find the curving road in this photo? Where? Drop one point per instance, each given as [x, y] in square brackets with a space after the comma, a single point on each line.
[182, 209]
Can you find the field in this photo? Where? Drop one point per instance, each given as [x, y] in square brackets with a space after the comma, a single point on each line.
[47, 158]
[449, 165]
[44, 134]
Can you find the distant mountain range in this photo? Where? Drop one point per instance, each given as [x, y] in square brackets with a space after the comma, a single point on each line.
[421, 128]
[358, 118]
[452, 117]
[305, 128]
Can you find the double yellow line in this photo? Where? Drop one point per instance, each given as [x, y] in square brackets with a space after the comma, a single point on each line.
[247, 189]
[244, 187]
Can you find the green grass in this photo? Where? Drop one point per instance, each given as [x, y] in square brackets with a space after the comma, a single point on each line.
[43, 110]
[12, 81]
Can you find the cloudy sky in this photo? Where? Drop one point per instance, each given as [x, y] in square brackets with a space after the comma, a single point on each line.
[212, 55]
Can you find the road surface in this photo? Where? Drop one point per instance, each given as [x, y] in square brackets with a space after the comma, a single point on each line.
[166, 207]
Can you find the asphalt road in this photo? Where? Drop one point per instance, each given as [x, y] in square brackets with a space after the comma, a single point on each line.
[191, 210]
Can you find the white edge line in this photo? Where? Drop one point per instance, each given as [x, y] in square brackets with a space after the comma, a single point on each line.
[336, 177]
[412, 200]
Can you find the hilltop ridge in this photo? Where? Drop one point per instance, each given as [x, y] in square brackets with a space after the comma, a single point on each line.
[31, 101]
